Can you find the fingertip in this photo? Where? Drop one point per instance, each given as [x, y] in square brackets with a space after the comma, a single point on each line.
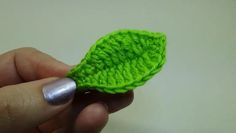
[119, 101]
[92, 119]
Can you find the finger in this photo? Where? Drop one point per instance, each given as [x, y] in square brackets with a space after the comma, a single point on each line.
[52, 124]
[59, 130]
[25, 105]
[28, 64]
[119, 101]
[83, 99]
[60, 121]
[92, 118]
[115, 102]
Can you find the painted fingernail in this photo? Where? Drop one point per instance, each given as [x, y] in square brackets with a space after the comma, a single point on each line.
[59, 91]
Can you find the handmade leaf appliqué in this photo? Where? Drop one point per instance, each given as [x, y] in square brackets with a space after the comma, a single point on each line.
[121, 61]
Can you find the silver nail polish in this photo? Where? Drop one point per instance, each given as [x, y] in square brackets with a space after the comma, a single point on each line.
[59, 91]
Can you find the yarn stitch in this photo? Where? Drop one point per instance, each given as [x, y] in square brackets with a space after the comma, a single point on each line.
[121, 61]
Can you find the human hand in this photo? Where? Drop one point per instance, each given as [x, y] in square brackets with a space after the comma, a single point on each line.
[23, 108]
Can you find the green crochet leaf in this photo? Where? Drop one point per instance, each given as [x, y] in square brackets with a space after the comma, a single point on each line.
[121, 61]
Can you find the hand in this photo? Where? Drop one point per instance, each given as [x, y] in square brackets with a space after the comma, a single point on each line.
[23, 108]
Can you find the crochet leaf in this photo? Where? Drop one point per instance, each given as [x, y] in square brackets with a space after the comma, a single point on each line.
[121, 61]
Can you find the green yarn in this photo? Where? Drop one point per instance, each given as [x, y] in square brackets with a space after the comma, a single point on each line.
[121, 61]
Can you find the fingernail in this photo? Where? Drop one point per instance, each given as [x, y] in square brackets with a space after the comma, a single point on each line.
[105, 105]
[59, 91]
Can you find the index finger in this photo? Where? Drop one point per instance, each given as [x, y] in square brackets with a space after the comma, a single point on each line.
[28, 64]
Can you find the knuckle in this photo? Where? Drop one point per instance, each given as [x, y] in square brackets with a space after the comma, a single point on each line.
[11, 108]
[27, 49]
[26, 52]
[7, 110]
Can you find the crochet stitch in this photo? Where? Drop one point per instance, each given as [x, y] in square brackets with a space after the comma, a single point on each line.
[121, 61]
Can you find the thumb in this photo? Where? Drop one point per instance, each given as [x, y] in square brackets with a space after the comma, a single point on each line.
[25, 106]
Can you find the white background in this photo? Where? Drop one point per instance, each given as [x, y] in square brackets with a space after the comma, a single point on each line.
[196, 90]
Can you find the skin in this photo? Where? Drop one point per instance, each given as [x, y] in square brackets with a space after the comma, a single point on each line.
[22, 108]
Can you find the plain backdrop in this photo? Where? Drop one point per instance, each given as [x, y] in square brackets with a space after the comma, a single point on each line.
[196, 90]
